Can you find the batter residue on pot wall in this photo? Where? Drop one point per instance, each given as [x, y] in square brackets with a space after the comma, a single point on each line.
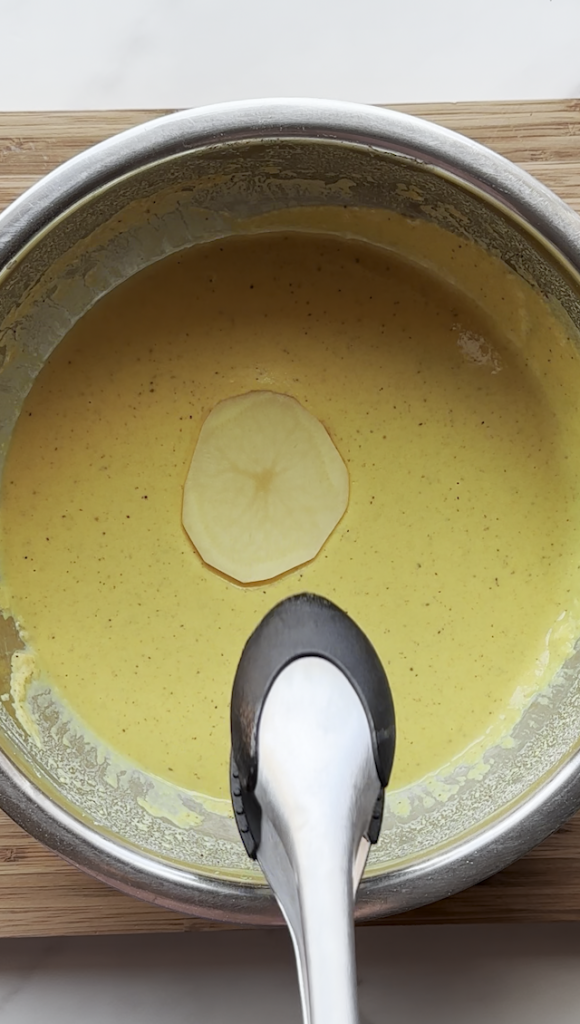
[458, 553]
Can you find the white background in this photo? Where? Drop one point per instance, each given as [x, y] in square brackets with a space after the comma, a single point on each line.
[177, 53]
[59, 54]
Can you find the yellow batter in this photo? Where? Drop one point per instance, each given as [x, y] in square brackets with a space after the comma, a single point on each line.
[458, 552]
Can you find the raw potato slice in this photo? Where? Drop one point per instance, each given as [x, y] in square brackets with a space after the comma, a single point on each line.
[265, 488]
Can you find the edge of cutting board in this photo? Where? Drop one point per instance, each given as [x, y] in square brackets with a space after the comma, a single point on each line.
[40, 894]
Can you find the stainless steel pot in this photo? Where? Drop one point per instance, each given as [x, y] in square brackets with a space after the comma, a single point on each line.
[187, 178]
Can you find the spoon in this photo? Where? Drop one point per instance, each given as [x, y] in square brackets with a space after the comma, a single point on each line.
[313, 737]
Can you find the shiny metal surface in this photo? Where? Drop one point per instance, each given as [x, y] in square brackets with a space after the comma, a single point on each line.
[49, 219]
[317, 787]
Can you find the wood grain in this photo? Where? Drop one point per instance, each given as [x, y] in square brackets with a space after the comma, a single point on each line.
[40, 894]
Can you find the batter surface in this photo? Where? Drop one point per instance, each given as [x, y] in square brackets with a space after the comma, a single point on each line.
[458, 552]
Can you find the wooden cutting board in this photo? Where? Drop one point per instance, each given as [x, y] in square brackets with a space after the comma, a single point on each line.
[40, 894]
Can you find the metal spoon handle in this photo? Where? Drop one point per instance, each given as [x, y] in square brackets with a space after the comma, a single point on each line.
[317, 787]
[313, 736]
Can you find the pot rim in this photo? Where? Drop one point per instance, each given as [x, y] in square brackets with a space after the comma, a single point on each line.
[444, 152]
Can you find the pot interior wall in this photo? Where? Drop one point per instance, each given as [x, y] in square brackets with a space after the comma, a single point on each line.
[199, 196]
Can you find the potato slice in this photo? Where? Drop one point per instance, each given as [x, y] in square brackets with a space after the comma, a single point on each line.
[265, 488]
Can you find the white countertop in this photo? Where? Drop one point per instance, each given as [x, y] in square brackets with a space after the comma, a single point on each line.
[452, 974]
[62, 54]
